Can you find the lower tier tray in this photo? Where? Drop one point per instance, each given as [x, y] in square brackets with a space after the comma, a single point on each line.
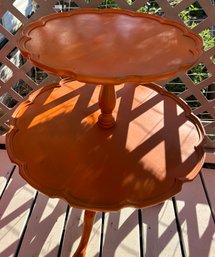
[155, 146]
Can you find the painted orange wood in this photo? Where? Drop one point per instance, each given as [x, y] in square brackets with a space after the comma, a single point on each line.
[110, 46]
[143, 160]
[148, 153]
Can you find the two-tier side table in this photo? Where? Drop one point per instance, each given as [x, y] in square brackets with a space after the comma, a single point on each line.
[107, 137]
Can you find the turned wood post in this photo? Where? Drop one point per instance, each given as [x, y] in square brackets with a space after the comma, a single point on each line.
[107, 102]
[89, 217]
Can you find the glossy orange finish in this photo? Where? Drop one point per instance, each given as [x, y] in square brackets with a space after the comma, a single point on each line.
[155, 146]
[110, 46]
[107, 102]
[64, 137]
[89, 217]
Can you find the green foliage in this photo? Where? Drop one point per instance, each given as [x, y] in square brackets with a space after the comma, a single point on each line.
[208, 38]
[174, 2]
[108, 4]
[193, 15]
[198, 73]
[152, 8]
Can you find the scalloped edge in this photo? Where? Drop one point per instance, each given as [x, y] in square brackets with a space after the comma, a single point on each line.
[175, 188]
[197, 52]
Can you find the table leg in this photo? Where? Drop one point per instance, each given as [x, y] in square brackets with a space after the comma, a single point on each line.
[89, 217]
[107, 102]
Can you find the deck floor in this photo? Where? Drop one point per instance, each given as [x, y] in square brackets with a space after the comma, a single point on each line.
[32, 225]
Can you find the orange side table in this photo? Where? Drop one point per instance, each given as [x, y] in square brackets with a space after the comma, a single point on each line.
[97, 143]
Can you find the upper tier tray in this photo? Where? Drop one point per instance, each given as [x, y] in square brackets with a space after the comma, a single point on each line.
[110, 46]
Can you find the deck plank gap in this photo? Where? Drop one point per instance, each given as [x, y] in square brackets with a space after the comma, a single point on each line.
[140, 221]
[2, 147]
[63, 231]
[102, 234]
[8, 180]
[26, 225]
[181, 240]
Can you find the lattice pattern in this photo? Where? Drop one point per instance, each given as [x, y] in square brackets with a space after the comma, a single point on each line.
[19, 77]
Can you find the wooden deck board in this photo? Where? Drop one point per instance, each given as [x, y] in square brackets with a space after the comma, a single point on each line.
[94, 241]
[14, 207]
[160, 231]
[209, 178]
[74, 231]
[5, 169]
[196, 220]
[121, 234]
[46, 220]
[44, 228]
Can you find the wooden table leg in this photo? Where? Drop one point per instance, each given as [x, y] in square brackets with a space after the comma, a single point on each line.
[89, 217]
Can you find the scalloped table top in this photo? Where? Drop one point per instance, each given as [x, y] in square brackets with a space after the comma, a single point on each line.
[110, 46]
[155, 146]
